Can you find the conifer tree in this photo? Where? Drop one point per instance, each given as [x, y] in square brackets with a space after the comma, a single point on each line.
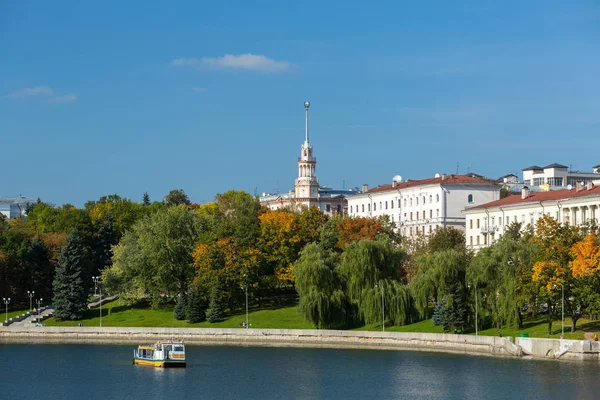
[195, 308]
[146, 199]
[215, 309]
[179, 312]
[70, 299]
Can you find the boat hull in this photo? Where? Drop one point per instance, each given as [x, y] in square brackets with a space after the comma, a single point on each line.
[159, 363]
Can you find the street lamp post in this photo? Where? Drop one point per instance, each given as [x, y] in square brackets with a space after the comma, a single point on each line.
[39, 304]
[245, 287]
[382, 308]
[6, 301]
[30, 295]
[96, 279]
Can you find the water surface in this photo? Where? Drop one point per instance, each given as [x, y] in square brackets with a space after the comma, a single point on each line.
[106, 372]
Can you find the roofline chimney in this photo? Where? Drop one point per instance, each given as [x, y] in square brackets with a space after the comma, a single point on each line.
[365, 187]
[524, 193]
[443, 177]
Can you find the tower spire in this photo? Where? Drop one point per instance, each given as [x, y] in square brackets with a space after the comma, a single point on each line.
[306, 105]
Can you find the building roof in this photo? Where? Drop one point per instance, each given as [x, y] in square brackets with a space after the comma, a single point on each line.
[596, 166]
[20, 199]
[448, 180]
[536, 197]
[555, 165]
[533, 168]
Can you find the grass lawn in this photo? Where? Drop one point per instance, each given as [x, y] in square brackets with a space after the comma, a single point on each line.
[12, 313]
[144, 316]
[114, 314]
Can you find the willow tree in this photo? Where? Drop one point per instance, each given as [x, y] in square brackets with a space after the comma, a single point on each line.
[322, 300]
[441, 276]
[370, 268]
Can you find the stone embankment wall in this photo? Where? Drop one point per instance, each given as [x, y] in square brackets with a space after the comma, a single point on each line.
[269, 337]
[466, 344]
[560, 349]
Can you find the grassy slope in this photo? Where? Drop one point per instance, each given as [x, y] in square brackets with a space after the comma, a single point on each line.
[288, 318]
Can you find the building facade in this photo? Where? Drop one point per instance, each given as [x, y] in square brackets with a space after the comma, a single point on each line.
[14, 207]
[307, 192]
[487, 222]
[557, 175]
[418, 207]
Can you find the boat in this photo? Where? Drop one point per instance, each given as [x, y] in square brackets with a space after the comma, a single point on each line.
[161, 354]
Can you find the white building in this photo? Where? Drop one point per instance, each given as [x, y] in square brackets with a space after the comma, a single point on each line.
[417, 207]
[557, 175]
[307, 192]
[487, 222]
[13, 207]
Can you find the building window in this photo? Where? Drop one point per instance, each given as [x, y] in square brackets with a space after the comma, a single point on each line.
[411, 230]
[411, 216]
[380, 207]
[557, 215]
[477, 240]
[374, 206]
[423, 231]
[437, 212]
[515, 218]
[411, 201]
[437, 198]
[484, 239]
[423, 214]
[350, 209]
[430, 229]
[471, 226]
[363, 207]
[404, 203]
[477, 225]
[391, 204]
[471, 240]
[430, 199]
[430, 213]
[470, 199]
[423, 200]
[538, 181]
[555, 181]
[523, 218]
[328, 207]
[399, 203]
[339, 209]
[369, 207]
[499, 221]
[417, 200]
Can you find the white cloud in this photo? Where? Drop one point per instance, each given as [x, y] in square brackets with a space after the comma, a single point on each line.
[250, 62]
[67, 98]
[33, 91]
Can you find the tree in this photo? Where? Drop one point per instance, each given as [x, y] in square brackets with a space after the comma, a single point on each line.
[177, 197]
[215, 307]
[106, 237]
[322, 300]
[146, 199]
[155, 257]
[70, 299]
[370, 269]
[446, 238]
[196, 309]
[354, 229]
[240, 222]
[179, 312]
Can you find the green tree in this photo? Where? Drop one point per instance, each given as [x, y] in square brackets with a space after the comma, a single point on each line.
[179, 312]
[70, 299]
[196, 309]
[177, 197]
[155, 256]
[146, 199]
[322, 300]
[215, 307]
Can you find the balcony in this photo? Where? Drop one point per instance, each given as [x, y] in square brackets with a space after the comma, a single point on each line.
[491, 229]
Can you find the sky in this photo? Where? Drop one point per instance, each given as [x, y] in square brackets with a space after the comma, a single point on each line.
[108, 97]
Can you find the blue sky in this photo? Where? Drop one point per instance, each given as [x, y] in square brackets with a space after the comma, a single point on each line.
[126, 97]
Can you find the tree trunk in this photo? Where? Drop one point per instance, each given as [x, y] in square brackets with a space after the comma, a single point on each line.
[574, 319]
[520, 320]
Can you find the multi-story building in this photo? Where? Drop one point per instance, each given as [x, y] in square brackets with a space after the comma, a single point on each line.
[307, 192]
[487, 222]
[13, 207]
[557, 175]
[417, 207]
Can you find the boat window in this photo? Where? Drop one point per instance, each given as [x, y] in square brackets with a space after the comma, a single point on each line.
[178, 348]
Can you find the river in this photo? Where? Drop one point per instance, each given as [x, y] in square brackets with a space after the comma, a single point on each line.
[106, 372]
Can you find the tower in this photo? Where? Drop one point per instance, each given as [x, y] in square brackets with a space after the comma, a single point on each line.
[307, 184]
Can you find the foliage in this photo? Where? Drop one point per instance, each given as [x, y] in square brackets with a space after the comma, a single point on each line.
[322, 300]
[155, 257]
[177, 197]
[353, 229]
[179, 312]
[215, 307]
[196, 309]
[146, 199]
[586, 257]
[70, 298]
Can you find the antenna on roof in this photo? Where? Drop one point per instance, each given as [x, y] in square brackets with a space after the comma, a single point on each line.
[457, 164]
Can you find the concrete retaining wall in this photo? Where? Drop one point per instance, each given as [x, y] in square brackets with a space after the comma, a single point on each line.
[560, 349]
[269, 337]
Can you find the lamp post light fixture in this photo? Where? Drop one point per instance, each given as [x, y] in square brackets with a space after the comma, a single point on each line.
[245, 288]
[39, 305]
[96, 280]
[6, 302]
[382, 308]
[30, 295]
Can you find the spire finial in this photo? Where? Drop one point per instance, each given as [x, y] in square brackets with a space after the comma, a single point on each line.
[306, 105]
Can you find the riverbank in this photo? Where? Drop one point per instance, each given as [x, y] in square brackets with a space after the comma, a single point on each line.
[464, 344]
